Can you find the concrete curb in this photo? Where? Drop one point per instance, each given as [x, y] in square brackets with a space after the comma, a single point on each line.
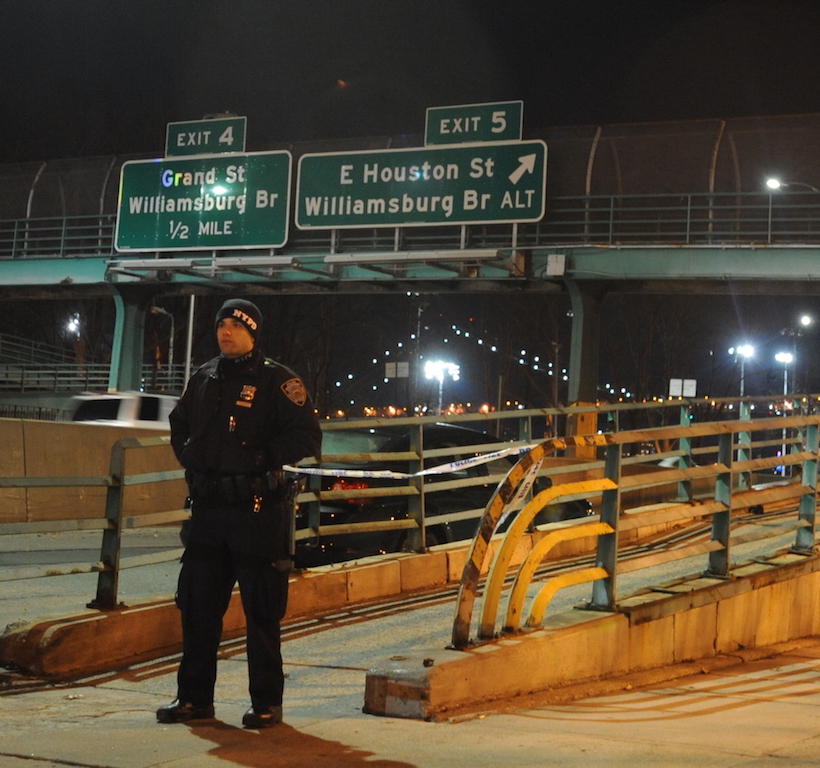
[74, 645]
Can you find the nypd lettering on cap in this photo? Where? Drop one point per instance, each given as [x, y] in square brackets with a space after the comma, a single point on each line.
[245, 318]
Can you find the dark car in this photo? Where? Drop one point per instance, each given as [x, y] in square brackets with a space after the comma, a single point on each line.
[466, 487]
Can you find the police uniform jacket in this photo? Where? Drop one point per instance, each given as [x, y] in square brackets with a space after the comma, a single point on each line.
[247, 416]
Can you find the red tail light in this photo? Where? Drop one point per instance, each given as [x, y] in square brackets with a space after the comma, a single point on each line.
[351, 485]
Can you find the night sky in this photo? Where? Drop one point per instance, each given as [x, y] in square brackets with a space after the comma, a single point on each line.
[92, 77]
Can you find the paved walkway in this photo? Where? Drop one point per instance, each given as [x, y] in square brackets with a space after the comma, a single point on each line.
[752, 714]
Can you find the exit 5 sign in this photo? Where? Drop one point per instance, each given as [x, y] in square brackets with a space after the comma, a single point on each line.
[468, 123]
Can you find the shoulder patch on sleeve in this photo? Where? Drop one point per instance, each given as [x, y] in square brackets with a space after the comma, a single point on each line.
[295, 391]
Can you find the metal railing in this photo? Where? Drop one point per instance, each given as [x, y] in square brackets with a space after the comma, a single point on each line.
[781, 217]
[83, 377]
[724, 490]
[112, 525]
[719, 462]
[685, 219]
[14, 349]
[57, 237]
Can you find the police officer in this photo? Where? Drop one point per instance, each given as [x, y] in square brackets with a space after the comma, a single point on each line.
[240, 419]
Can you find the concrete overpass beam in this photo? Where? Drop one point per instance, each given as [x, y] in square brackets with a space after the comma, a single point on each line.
[586, 298]
[129, 337]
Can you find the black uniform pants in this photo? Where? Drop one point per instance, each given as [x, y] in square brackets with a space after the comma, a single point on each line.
[214, 561]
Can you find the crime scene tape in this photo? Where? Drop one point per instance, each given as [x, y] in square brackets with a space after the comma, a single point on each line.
[441, 469]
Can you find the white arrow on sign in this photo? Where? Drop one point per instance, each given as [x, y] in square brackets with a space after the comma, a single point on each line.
[527, 166]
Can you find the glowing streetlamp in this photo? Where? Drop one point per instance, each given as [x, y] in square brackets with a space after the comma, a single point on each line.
[73, 325]
[775, 184]
[436, 369]
[741, 353]
[785, 358]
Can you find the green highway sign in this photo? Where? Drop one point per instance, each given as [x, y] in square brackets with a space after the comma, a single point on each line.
[486, 183]
[474, 122]
[204, 203]
[205, 137]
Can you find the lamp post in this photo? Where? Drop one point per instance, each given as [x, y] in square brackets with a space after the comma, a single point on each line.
[785, 358]
[741, 353]
[774, 184]
[796, 331]
[435, 369]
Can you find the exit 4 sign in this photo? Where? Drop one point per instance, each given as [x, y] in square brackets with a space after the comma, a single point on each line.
[206, 137]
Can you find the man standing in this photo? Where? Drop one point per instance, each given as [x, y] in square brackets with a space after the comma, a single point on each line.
[240, 419]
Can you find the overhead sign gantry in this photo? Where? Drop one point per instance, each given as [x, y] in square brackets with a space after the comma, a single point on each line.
[208, 194]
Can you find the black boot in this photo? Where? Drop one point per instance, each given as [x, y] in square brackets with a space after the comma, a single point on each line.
[182, 711]
[262, 717]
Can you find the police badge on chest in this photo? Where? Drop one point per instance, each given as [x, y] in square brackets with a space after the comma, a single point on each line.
[246, 396]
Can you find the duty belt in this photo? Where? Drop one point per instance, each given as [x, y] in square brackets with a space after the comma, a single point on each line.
[236, 489]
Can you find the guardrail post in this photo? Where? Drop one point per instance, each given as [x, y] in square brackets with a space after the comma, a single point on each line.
[417, 537]
[685, 461]
[804, 541]
[314, 519]
[722, 521]
[744, 446]
[108, 579]
[603, 590]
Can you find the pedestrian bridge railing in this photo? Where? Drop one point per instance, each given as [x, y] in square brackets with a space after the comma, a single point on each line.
[725, 492]
[724, 467]
[680, 218]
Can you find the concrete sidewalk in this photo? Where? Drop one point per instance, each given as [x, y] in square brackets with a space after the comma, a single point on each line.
[753, 714]
[751, 709]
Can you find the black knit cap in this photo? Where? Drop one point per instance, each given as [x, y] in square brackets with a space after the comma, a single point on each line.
[246, 312]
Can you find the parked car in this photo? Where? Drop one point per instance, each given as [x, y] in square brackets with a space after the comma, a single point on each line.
[330, 548]
[123, 409]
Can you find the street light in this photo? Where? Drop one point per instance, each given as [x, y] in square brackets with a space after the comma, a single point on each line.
[774, 183]
[785, 358]
[796, 331]
[741, 353]
[435, 369]
[73, 325]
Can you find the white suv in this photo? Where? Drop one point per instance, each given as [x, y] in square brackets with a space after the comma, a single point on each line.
[123, 409]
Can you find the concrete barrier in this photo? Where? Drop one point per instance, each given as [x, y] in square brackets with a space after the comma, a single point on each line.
[34, 448]
[767, 603]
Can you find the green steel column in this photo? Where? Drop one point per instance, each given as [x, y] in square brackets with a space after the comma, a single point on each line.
[808, 501]
[129, 338]
[583, 360]
[417, 537]
[604, 595]
[685, 461]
